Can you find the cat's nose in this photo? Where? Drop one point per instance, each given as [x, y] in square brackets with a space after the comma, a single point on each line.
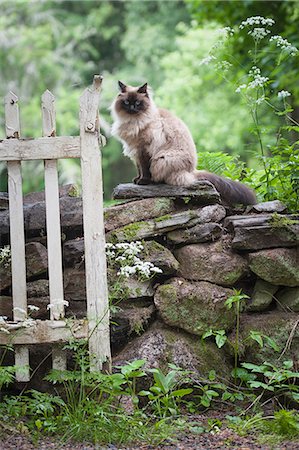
[132, 107]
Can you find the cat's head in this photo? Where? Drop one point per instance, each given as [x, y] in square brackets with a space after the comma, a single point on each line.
[132, 101]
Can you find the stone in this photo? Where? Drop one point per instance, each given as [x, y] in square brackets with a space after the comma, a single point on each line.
[36, 264]
[35, 219]
[153, 227]
[194, 307]
[120, 215]
[74, 283]
[4, 200]
[130, 322]
[203, 191]
[160, 256]
[262, 296]
[134, 288]
[260, 231]
[213, 262]
[265, 207]
[73, 252]
[200, 233]
[38, 288]
[161, 345]
[279, 266]
[288, 299]
[280, 326]
[66, 190]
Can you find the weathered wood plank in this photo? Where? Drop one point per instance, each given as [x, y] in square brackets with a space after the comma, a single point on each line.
[40, 148]
[48, 114]
[59, 359]
[52, 215]
[12, 117]
[93, 222]
[203, 191]
[17, 237]
[43, 332]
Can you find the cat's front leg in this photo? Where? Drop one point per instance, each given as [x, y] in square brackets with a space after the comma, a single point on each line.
[143, 167]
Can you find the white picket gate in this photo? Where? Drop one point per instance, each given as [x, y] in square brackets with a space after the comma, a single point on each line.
[51, 148]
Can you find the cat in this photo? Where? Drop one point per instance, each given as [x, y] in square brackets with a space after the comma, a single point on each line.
[162, 147]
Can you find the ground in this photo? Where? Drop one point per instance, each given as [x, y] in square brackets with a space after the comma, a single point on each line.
[224, 439]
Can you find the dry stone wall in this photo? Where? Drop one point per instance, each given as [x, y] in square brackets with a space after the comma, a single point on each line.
[204, 250]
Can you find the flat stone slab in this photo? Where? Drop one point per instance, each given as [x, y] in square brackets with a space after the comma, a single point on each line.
[203, 191]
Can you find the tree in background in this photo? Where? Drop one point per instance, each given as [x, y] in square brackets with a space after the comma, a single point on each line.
[60, 45]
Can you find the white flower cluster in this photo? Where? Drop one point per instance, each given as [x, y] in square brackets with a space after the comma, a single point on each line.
[284, 44]
[259, 33]
[283, 94]
[126, 256]
[257, 20]
[5, 256]
[226, 31]
[2, 322]
[223, 66]
[205, 61]
[56, 303]
[258, 81]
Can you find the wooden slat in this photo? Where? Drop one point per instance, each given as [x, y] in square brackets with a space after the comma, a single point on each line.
[41, 148]
[53, 227]
[17, 238]
[94, 237]
[44, 332]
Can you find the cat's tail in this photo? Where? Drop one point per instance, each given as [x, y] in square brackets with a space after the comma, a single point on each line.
[231, 192]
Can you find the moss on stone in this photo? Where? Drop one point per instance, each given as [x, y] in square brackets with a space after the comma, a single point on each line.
[162, 218]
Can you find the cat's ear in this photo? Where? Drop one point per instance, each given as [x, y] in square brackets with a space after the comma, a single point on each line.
[122, 86]
[142, 89]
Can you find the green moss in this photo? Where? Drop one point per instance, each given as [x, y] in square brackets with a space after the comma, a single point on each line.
[74, 191]
[162, 218]
[128, 232]
[280, 221]
[232, 277]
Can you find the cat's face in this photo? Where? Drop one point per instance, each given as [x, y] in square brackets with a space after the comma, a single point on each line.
[132, 101]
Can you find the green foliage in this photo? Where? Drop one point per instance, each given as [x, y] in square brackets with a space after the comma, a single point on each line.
[166, 394]
[278, 380]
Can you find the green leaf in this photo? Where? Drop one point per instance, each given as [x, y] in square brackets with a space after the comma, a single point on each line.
[257, 337]
[220, 340]
[181, 392]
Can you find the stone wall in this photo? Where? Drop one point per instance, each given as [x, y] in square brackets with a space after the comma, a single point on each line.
[204, 249]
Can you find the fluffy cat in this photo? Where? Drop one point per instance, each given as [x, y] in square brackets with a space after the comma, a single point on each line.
[162, 147]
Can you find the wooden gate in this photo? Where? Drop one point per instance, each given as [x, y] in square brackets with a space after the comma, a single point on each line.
[55, 331]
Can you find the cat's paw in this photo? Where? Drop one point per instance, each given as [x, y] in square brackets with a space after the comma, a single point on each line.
[143, 181]
[136, 179]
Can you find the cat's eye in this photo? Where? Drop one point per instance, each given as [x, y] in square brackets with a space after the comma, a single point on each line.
[137, 103]
[126, 102]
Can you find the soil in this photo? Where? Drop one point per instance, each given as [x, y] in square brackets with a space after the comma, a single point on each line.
[224, 439]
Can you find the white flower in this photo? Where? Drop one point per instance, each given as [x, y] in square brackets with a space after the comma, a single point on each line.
[4, 330]
[33, 308]
[56, 303]
[260, 100]
[257, 20]
[259, 33]
[223, 66]
[227, 31]
[242, 86]
[27, 323]
[283, 94]
[206, 60]
[5, 256]
[284, 44]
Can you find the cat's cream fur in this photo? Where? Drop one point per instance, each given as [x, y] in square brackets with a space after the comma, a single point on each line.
[161, 145]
